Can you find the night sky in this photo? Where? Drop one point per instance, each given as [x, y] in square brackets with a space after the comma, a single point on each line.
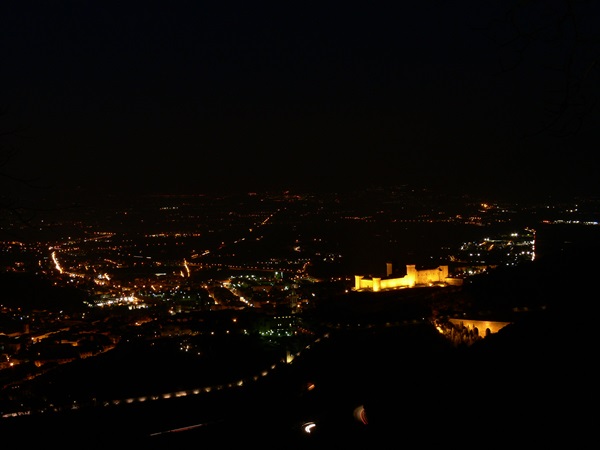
[190, 96]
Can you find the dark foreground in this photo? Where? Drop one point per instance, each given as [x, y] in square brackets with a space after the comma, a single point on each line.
[528, 385]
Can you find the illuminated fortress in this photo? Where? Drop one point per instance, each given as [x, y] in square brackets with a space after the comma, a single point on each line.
[438, 276]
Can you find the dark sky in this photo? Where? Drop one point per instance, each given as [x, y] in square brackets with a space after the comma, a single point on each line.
[192, 96]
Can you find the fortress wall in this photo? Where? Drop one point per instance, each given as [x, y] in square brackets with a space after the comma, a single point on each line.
[436, 275]
[392, 283]
[361, 283]
[481, 325]
[450, 281]
[412, 278]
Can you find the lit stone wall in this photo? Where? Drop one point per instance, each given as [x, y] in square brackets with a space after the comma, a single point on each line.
[481, 325]
[450, 281]
[412, 278]
[437, 275]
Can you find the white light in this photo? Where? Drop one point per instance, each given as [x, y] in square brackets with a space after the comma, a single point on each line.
[308, 426]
